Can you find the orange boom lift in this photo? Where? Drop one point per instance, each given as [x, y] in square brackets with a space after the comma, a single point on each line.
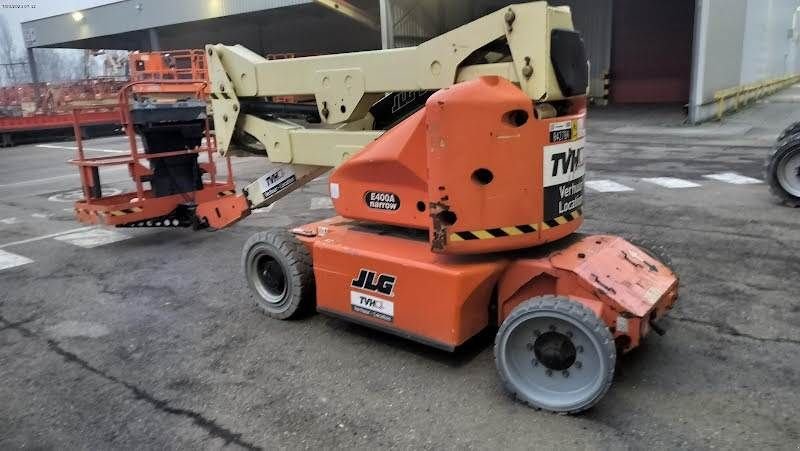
[459, 186]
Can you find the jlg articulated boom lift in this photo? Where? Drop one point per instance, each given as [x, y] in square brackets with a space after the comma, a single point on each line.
[459, 168]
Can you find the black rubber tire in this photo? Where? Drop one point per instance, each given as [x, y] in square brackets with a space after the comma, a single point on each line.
[605, 349]
[284, 253]
[788, 131]
[786, 148]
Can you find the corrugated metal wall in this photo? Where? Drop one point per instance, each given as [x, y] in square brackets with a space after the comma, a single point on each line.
[651, 51]
[415, 21]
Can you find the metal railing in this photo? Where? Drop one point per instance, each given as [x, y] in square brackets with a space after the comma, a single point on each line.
[736, 97]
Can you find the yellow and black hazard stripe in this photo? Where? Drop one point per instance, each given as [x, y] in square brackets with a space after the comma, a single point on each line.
[561, 220]
[489, 234]
[126, 211]
[229, 192]
[502, 232]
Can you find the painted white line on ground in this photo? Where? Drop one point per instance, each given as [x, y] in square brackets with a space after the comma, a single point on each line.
[9, 221]
[48, 179]
[44, 237]
[671, 182]
[321, 203]
[40, 215]
[734, 178]
[92, 238]
[87, 149]
[608, 186]
[9, 260]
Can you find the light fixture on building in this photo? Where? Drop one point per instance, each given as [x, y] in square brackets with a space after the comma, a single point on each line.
[77, 16]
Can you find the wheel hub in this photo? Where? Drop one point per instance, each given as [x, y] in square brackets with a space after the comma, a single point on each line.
[271, 279]
[788, 173]
[555, 351]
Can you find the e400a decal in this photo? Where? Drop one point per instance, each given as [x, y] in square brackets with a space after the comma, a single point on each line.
[382, 201]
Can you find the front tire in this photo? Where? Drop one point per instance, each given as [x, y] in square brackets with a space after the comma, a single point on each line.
[279, 271]
[783, 171]
[554, 354]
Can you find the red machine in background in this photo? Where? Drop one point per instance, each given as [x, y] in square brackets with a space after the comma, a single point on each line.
[48, 106]
[168, 65]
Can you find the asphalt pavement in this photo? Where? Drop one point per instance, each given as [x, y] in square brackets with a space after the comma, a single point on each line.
[143, 339]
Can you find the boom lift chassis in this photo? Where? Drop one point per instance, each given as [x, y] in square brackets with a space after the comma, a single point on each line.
[459, 185]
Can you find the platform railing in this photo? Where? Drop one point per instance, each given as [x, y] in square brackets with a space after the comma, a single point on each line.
[88, 166]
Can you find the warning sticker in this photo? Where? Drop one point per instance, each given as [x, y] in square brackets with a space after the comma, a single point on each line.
[372, 306]
[564, 169]
[567, 130]
[561, 132]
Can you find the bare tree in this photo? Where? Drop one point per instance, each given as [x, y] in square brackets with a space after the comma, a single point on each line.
[13, 64]
[56, 65]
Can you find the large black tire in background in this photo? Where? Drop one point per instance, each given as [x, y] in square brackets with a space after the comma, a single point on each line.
[554, 354]
[789, 131]
[782, 169]
[279, 271]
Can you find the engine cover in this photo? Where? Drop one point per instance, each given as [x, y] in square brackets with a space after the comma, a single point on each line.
[475, 168]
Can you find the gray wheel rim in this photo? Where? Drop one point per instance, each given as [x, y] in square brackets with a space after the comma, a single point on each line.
[559, 387]
[269, 278]
[789, 174]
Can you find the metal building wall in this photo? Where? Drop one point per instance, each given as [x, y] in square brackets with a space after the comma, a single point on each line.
[767, 51]
[738, 42]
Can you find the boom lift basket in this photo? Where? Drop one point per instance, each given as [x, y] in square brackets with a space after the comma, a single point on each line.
[178, 180]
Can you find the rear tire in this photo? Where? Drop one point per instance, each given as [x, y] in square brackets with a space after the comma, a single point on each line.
[782, 171]
[555, 354]
[279, 271]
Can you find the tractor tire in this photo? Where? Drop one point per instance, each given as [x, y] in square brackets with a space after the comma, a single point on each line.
[782, 171]
[554, 354]
[789, 131]
[279, 271]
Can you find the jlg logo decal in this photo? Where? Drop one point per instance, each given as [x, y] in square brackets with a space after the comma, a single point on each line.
[370, 281]
[366, 304]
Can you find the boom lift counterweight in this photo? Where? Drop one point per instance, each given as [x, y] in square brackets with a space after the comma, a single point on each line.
[459, 185]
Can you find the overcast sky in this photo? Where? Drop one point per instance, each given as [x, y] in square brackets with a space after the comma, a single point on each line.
[36, 9]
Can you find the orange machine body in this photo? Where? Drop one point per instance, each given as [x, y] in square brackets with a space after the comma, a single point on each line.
[388, 278]
[476, 168]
